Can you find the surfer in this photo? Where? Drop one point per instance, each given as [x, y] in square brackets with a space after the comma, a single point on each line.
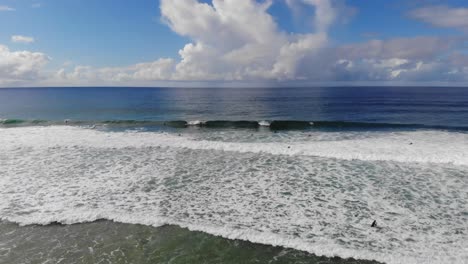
[374, 224]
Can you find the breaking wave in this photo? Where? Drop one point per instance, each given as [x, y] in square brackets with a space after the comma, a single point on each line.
[313, 195]
[241, 124]
[412, 146]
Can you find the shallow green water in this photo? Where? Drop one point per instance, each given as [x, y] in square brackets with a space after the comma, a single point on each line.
[109, 242]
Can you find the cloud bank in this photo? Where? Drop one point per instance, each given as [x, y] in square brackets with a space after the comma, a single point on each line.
[240, 41]
[20, 66]
[443, 16]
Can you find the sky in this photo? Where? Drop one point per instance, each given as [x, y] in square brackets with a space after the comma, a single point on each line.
[233, 42]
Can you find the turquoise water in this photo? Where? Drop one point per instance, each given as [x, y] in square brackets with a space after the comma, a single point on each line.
[274, 175]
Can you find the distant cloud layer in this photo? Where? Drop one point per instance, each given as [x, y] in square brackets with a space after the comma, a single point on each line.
[232, 40]
[22, 39]
[443, 16]
[6, 8]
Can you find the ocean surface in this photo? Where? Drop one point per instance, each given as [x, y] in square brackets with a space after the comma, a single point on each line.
[280, 175]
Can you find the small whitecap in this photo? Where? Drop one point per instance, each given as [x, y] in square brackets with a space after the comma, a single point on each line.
[264, 123]
[195, 123]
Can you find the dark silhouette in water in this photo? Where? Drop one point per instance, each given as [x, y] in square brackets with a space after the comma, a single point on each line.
[374, 224]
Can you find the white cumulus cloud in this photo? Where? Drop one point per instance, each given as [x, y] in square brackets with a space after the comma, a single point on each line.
[20, 66]
[240, 40]
[231, 40]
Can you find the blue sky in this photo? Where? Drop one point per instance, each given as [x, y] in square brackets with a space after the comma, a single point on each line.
[149, 42]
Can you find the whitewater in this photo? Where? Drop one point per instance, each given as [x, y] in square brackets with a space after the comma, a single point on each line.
[315, 191]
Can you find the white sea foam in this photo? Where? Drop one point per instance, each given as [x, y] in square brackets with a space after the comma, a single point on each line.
[195, 123]
[262, 192]
[264, 123]
[418, 146]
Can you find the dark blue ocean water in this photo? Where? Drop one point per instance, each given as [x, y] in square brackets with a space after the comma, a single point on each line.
[440, 106]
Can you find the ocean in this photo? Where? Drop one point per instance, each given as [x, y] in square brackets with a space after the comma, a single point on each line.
[251, 175]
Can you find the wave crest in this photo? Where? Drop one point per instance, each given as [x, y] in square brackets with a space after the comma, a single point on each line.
[232, 124]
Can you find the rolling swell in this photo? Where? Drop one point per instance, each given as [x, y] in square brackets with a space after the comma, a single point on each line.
[12, 122]
[274, 125]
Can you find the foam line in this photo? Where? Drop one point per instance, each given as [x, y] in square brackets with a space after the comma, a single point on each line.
[416, 146]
